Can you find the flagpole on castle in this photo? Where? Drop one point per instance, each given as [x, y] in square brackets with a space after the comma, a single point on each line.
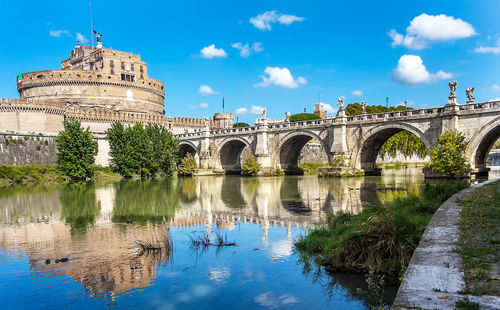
[222, 104]
[91, 25]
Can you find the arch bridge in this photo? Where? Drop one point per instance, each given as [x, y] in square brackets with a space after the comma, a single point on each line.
[354, 140]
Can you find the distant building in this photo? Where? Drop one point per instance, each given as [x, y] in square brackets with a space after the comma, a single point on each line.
[319, 109]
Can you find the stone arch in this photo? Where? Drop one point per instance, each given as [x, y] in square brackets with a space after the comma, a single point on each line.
[370, 146]
[188, 147]
[292, 144]
[229, 153]
[480, 145]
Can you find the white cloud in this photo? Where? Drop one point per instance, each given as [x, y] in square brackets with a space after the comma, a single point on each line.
[203, 105]
[281, 77]
[489, 49]
[246, 49]
[494, 100]
[80, 37]
[256, 110]
[425, 29]
[411, 71]
[263, 21]
[58, 33]
[357, 93]
[207, 90]
[241, 111]
[329, 109]
[211, 51]
[494, 88]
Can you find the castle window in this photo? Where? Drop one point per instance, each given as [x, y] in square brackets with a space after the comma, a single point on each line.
[111, 64]
[112, 71]
[142, 77]
[123, 65]
[128, 77]
[132, 67]
[41, 76]
[140, 69]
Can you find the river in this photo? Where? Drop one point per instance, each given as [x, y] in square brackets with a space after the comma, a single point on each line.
[74, 245]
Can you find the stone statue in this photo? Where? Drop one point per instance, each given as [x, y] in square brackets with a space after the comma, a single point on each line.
[98, 36]
[469, 91]
[206, 121]
[264, 112]
[186, 130]
[341, 103]
[287, 116]
[453, 88]
[363, 107]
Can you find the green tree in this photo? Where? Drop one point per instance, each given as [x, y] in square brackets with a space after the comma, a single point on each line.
[187, 166]
[355, 108]
[250, 166]
[303, 117]
[142, 151]
[164, 150]
[240, 125]
[448, 156]
[75, 151]
[405, 142]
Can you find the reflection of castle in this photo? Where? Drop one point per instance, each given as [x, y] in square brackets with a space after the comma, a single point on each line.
[102, 256]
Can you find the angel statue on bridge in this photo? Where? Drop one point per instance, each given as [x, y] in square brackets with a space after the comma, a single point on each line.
[363, 107]
[468, 92]
[453, 88]
[98, 36]
[340, 102]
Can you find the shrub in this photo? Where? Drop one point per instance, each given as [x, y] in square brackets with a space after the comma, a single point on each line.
[187, 166]
[448, 157]
[239, 125]
[303, 117]
[250, 166]
[75, 151]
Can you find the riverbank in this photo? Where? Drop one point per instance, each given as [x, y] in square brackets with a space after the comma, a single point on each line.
[435, 277]
[382, 236]
[38, 174]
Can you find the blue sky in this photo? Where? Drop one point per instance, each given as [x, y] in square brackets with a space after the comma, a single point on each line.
[297, 51]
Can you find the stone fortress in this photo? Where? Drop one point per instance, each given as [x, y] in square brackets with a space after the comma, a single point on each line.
[96, 86]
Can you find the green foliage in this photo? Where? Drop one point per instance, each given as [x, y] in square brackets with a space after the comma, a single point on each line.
[240, 124]
[466, 304]
[311, 168]
[404, 142]
[188, 166]
[303, 117]
[250, 166]
[448, 157]
[75, 151]
[142, 151]
[355, 108]
[143, 201]
[496, 145]
[381, 236]
[79, 205]
[28, 174]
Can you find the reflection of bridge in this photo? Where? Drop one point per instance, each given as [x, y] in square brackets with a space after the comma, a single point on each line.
[356, 139]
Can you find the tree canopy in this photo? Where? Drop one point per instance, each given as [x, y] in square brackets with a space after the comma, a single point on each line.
[75, 151]
[303, 117]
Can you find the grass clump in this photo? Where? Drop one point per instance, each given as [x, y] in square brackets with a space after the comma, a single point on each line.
[466, 304]
[311, 168]
[382, 236]
[205, 241]
[250, 166]
[480, 240]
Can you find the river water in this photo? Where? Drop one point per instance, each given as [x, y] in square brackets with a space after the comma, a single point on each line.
[74, 246]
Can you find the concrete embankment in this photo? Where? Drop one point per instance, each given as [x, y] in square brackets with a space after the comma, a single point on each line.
[435, 275]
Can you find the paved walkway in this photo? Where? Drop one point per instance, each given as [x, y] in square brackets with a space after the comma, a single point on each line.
[435, 274]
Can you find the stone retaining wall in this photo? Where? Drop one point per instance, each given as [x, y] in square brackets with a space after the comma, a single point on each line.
[20, 149]
[435, 274]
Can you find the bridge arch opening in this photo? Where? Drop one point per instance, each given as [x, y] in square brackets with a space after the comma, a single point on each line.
[231, 154]
[300, 148]
[391, 144]
[485, 145]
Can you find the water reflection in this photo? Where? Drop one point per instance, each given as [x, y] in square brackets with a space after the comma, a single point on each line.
[95, 227]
